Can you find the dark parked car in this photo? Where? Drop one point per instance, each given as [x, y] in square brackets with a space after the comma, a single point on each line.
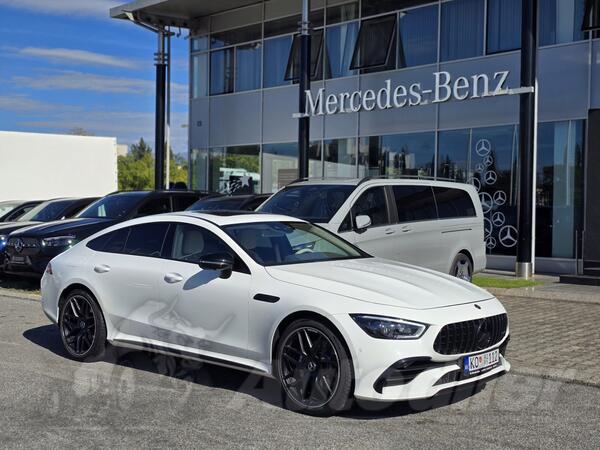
[12, 210]
[230, 203]
[51, 210]
[29, 251]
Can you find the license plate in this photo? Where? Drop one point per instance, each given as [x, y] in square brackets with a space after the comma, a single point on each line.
[17, 259]
[476, 364]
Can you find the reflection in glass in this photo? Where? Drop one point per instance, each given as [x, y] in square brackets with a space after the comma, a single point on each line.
[560, 21]
[340, 43]
[453, 155]
[247, 67]
[221, 72]
[200, 75]
[340, 158]
[234, 169]
[342, 13]
[462, 29]
[236, 36]
[277, 52]
[279, 165]
[418, 37]
[199, 169]
[397, 155]
[559, 188]
[503, 25]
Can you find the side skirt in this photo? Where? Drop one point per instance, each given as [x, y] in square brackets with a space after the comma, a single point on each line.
[187, 355]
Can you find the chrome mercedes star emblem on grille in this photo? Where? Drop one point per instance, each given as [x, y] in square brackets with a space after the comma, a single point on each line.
[19, 245]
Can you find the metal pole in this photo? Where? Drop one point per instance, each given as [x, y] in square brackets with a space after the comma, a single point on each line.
[159, 126]
[304, 85]
[168, 139]
[527, 127]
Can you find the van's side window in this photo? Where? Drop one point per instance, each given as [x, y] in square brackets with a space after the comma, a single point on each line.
[373, 203]
[415, 203]
[453, 203]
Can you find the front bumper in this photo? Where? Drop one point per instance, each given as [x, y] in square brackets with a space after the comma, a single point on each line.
[433, 372]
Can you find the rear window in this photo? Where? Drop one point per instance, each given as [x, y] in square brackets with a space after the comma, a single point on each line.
[453, 203]
[313, 203]
[415, 203]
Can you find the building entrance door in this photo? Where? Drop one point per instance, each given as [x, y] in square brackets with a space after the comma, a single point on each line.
[591, 238]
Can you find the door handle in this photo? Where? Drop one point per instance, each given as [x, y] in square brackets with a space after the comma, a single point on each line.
[102, 268]
[172, 278]
[406, 229]
[390, 231]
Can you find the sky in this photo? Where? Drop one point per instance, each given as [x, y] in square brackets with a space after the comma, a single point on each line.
[65, 64]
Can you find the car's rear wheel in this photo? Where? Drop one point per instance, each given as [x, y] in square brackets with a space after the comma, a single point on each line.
[82, 327]
[462, 267]
[314, 368]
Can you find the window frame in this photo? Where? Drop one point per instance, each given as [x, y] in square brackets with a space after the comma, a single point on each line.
[355, 66]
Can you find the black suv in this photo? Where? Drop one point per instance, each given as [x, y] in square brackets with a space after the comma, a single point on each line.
[29, 251]
[13, 210]
[242, 202]
[51, 210]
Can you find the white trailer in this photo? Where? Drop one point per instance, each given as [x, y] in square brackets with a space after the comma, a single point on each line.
[36, 166]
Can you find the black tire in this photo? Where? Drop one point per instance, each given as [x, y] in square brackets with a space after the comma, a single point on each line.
[82, 328]
[462, 267]
[316, 379]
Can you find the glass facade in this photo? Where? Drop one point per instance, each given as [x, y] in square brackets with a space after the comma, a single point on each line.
[406, 36]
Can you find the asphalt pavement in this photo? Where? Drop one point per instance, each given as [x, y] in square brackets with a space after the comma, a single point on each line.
[136, 399]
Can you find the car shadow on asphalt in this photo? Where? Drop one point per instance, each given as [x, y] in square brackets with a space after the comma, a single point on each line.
[262, 388]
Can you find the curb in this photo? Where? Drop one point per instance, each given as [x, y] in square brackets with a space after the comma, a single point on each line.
[501, 292]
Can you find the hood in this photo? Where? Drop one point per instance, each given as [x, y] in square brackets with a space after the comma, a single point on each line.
[383, 282]
[78, 227]
[9, 227]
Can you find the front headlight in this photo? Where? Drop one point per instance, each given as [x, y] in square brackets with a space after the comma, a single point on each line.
[58, 241]
[388, 327]
[3, 240]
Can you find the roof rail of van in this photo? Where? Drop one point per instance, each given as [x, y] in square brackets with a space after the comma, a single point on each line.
[401, 177]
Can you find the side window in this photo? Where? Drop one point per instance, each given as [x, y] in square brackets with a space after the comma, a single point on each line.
[183, 202]
[112, 242]
[373, 203]
[190, 243]
[454, 203]
[414, 203]
[157, 205]
[146, 239]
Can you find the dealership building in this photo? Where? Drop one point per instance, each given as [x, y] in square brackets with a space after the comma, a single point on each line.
[413, 88]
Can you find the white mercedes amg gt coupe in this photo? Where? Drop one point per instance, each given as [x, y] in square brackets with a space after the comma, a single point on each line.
[276, 296]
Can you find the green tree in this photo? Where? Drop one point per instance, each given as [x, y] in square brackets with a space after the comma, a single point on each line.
[136, 174]
[140, 150]
[136, 170]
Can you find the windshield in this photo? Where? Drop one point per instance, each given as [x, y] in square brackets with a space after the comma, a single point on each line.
[117, 206]
[231, 204]
[46, 212]
[6, 207]
[278, 243]
[314, 203]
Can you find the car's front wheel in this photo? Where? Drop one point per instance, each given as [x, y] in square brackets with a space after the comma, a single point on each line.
[462, 267]
[82, 327]
[314, 368]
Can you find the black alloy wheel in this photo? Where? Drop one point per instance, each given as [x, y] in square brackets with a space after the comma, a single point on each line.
[314, 369]
[82, 327]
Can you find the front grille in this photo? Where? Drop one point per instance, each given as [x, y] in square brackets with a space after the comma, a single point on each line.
[25, 242]
[471, 335]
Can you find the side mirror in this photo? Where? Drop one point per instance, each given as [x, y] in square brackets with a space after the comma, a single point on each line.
[362, 223]
[222, 262]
